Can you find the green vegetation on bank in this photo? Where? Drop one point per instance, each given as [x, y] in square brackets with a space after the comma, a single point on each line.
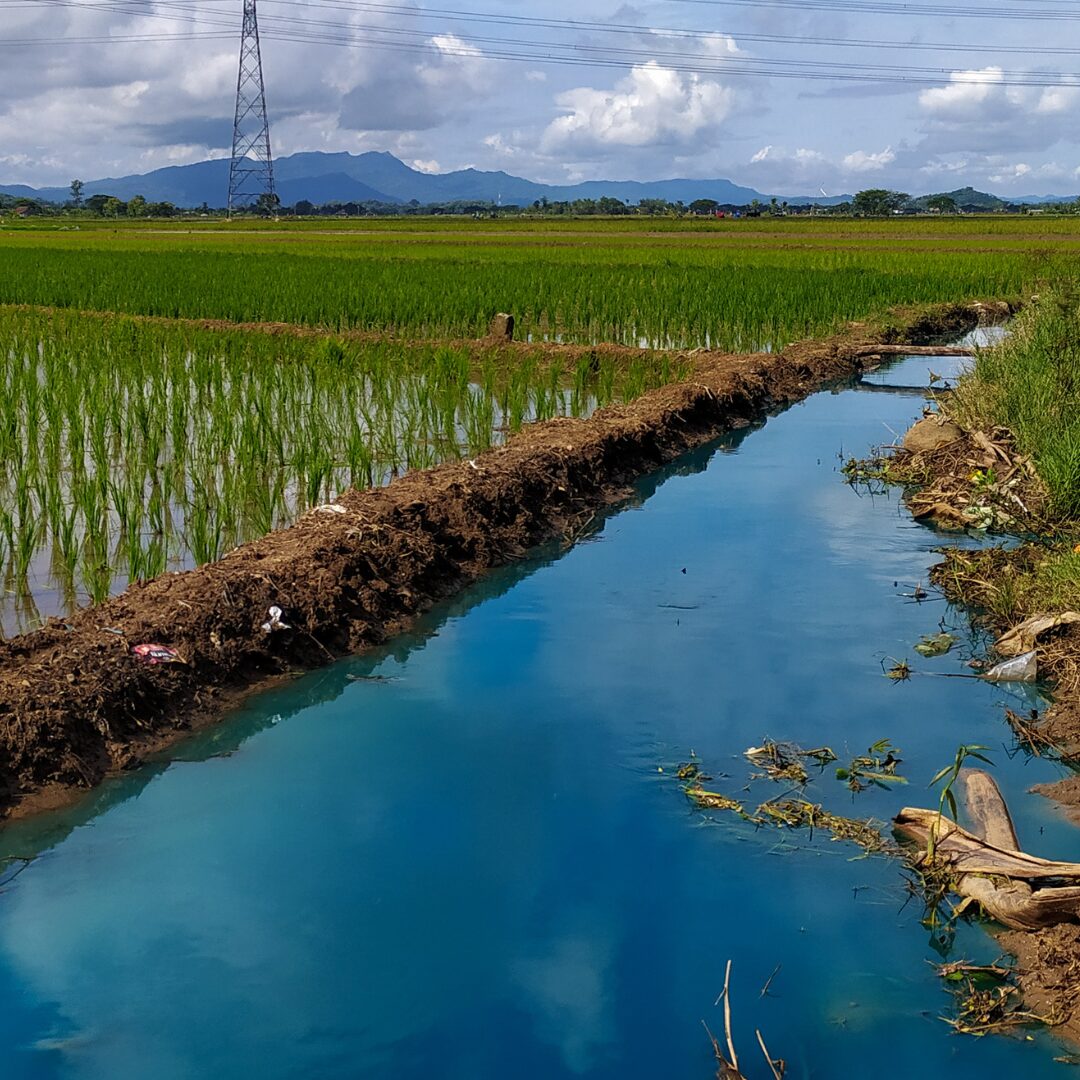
[1030, 384]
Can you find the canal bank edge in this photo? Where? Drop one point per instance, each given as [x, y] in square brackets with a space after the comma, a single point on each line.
[76, 703]
[940, 478]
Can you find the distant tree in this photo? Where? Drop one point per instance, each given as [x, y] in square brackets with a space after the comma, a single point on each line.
[652, 207]
[704, 206]
[267, 204]
[878, 202]
[137, 206]
[76, 192]
[304, 208]
[609, 205]
[160, 209]
[943, 204]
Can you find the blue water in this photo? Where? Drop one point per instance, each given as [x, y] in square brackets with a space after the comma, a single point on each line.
[476, 868]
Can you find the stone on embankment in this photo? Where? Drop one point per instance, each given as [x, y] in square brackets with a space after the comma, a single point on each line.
[931, 434]
[502, 327]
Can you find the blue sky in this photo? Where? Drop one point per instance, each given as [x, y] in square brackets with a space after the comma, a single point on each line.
[81, 95]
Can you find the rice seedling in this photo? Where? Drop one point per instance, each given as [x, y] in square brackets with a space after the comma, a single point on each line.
[130, 448]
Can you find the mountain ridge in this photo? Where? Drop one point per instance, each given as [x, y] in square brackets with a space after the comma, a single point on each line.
[321, 177]
[378, 176]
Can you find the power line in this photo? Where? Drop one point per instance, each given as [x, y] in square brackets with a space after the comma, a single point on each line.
[404, 39]
[886, 7]
[457, 14]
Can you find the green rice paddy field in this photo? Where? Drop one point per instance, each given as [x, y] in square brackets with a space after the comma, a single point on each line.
[131, 446]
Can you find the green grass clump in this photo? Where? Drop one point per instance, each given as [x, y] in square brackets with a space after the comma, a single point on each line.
[1011, 584]
[1030, 384]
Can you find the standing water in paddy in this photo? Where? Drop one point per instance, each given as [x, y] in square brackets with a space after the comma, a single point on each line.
[473, 867]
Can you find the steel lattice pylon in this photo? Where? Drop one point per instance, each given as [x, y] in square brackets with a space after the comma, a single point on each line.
[251, 170]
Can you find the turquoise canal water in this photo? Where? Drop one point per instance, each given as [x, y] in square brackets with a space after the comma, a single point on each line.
[474, 869]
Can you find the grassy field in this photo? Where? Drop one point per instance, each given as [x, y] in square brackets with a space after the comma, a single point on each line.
[732, 285]
[129, 447]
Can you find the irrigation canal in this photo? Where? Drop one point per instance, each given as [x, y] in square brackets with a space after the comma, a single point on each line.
[471, 866]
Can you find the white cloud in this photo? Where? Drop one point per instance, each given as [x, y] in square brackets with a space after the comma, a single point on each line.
[761, 155]
[979, 111]
[653, 105]
[452, 45]
[860, 161]
[966, 95]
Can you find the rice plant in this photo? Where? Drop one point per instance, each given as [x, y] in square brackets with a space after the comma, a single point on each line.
[731, 290]
[128, 448]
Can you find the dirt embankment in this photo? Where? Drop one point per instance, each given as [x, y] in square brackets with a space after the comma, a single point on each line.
[965, 479]
[76, 704]
[1048, 974]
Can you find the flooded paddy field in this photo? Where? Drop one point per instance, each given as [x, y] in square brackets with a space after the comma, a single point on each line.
[467, 855]
[130, 448]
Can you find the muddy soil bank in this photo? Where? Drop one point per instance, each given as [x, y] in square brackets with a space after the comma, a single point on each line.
[1048, 974]
[77, 704]
[944, 483]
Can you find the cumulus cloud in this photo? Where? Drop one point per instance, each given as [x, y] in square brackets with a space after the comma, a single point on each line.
[390, 95]
[810, 170]
[980, 110]
[968, 94]
[653, 105]
[860, 161]
[133, 105]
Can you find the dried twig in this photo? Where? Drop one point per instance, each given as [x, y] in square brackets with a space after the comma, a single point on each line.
[778, 1067]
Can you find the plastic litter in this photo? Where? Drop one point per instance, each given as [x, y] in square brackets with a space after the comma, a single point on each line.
[1023, 668]
[1021, 638]
[330, 508]
[275, 623]
[157, 654]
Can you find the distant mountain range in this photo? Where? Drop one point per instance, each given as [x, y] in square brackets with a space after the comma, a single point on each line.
[380, 177]
[321, 178]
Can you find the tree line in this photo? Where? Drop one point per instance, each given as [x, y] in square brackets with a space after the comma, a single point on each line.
[873, 202]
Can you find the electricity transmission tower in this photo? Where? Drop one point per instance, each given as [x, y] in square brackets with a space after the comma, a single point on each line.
[251, 170]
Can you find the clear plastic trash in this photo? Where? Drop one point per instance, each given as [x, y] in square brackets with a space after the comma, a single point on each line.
[1022, 668]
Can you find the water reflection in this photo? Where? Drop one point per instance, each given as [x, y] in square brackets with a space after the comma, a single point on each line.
[477, 870]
